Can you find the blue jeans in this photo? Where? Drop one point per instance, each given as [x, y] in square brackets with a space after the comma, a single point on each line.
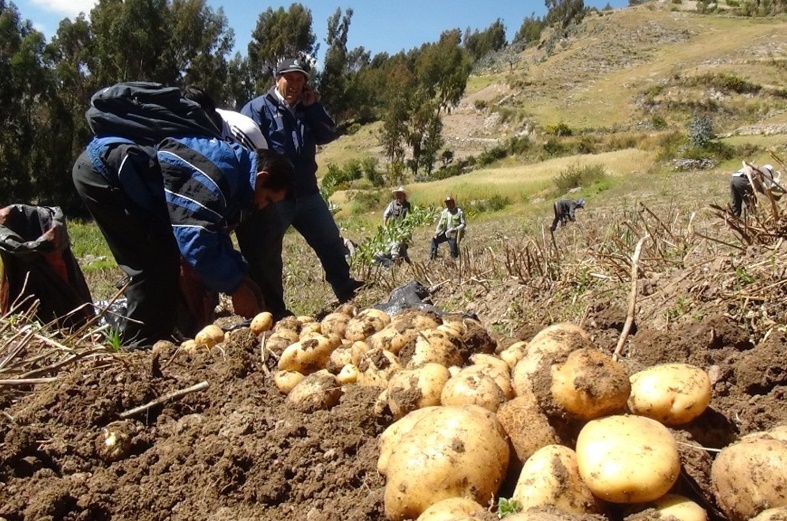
[453, 245]
[260, 239]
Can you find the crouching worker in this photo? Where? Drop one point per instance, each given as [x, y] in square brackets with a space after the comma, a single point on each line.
[450, 229]
[183, 198]
[396, 254]
[565, 211]
[741, 189]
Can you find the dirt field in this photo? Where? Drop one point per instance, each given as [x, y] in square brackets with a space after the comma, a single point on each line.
[237, 450]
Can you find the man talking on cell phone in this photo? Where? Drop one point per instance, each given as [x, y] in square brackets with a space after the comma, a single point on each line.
[294, 122]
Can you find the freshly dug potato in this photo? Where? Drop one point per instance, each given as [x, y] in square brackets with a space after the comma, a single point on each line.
[348, 375]
[115, 441]
[307, 356]
[447, 452]
[415, 320]
[286, 380]
[550, 477]
[772, 514]
[527, 427]
[190, 345]
[209, 336]
[413, 389]
[433, 345]
[673, 394]
[588, 385]
[749, 477]
[280, 340]
[514, 353]
[451, 509]
[495, 368]
[676, 506]
[290, 323]
[473, 387]
[335, 323]
[377, 367]
[392, 436]
[310, 328]
[366, 323]
[779, 432]
[261, 323]
[557, 339]
[317, 391]
[305, 319]
[390, 339]
[627, 459]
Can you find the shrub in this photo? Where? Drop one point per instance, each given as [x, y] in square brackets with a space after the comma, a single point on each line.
[576, 175]
[554, 148]
[490, 155]
[658, 122]
[480, 104]
[364, 201]
[700, 130]
[495, 203]
[520, 145]
[559, 130]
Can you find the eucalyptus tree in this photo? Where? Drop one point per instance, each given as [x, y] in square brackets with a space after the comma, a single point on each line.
[442, 69]
[333, 78]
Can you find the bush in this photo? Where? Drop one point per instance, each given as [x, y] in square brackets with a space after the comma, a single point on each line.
[495, 203]
[364, 201]
[490, 155]
[559, 130]
[480, 104]
[576, 175]
[700, 130]
[520, 145]
[554, 148]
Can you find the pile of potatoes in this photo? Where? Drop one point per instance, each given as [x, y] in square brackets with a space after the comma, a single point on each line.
[574, 431]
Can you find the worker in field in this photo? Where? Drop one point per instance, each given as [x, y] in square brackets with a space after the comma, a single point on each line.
[398, 208]
[565, 210]
[450, 229]
[741, 189]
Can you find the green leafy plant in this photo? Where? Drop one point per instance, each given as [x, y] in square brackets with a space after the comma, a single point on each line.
[507, 507]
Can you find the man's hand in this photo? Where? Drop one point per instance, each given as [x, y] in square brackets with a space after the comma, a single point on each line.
[308, 96]
[247, 301]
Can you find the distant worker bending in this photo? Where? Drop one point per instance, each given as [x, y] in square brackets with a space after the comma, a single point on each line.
[450, 228]
[565, 210]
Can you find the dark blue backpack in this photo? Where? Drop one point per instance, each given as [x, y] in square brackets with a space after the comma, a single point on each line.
[147, 113]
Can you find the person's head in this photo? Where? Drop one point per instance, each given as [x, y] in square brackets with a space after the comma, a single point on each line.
[400, 194]
[581, 202]
[274, 178]
[204, 100]
[292, 75]
[450, 203]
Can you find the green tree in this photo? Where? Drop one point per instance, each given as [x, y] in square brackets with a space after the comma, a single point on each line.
[530, 30]
[562, 13]
[442, 70]
[280, 34]
[334, 77]
[480, 43]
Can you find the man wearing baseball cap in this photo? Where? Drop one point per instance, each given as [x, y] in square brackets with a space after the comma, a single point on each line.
[294, 123]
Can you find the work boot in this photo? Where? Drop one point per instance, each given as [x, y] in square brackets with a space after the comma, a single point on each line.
[349, 293]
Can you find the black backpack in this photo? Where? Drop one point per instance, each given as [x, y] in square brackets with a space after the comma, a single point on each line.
[147, 113]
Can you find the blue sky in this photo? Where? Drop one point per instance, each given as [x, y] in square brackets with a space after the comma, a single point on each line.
[377, 25]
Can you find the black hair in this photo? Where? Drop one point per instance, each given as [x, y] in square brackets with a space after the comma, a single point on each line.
[280, 170]
[196, 94]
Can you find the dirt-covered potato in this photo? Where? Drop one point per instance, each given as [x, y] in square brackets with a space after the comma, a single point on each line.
[675, 506]
[335, 323]
[280, 340]
[473, 387]
[550, 477]
[317, 391]
[115, 441]
[527, 427]
[377, 367]
[391, 437]
[772, 514]
[209, 336]
[348, 375]
[286, 380]
[514, 353]
[413, 389]
[495, 367]
[749, 477]
[261, 323]
[390, 339]
[447, 452]
[307, 356]
[554, 340]
[308, 329]
[451, 509]
[433, 345]
[627, 459]
[588, 385]
[673, 394]
[366, 323]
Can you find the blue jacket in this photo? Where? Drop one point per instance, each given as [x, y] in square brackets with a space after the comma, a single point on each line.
[209, 188]
[294, 134]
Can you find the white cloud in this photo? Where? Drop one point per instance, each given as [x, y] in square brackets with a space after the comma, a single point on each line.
[70, 8]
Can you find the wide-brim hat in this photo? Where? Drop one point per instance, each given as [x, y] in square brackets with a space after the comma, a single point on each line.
[399, 190]
[292, 65]
[448, 198]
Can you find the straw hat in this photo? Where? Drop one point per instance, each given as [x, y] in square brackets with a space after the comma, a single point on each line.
[399, 190]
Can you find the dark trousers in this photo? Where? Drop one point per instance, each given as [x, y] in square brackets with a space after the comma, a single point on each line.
[740, 193]
[143, 246]
[559, 217]
[453, 246]
[260, 239]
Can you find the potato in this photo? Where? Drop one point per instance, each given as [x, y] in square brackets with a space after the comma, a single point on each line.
[189, 345]
[286, 380]
[772, 514]
[673, 394]
[376, 367]
[749, 476]
[307, 356]
[678, 507]
[310, 328]
[588, 385]
[451, 509]
[433, 345]
[495, 367]
[551, 477]
[317, 391]
[413, 389]
[390, 339]
[472, 387]
[261, 323]
[391, 437]
[448, 452]
[779, 432]
[514, 353]
[554, 340]
[366, 323]
[116, 440]
[335, 323]
[280, 340]
[209, 336]
[627, 459]
[348, 375]
[526, 425]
